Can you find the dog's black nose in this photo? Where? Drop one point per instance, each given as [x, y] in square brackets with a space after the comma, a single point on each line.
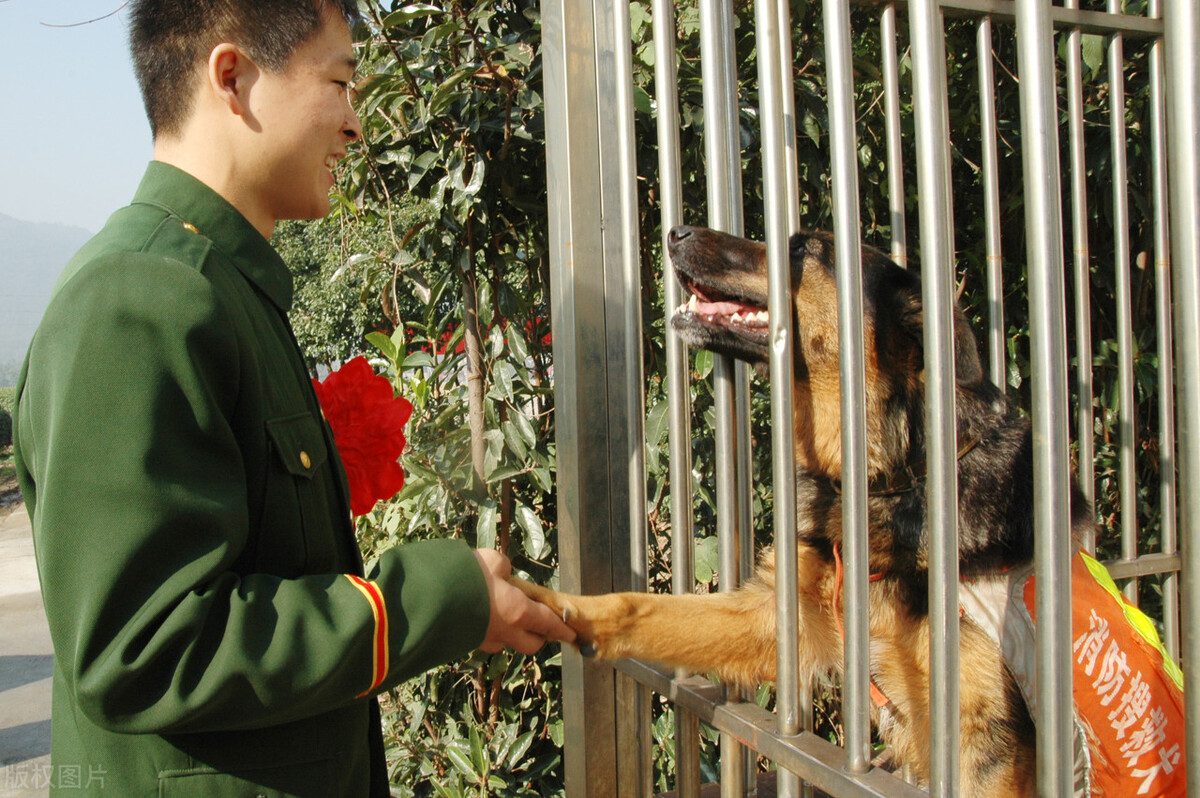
[678, 233]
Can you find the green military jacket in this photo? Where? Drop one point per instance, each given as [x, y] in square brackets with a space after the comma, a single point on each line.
[214, 633]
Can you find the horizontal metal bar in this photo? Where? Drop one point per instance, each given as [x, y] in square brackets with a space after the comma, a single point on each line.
[812, 758]
[1087, 21]
[1145, 565]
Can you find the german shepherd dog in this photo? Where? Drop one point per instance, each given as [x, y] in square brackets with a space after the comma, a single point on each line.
[733, 634]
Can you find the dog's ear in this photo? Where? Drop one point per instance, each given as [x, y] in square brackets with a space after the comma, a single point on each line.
[968, 369]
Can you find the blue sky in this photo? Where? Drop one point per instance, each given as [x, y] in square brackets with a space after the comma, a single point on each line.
[73, 137]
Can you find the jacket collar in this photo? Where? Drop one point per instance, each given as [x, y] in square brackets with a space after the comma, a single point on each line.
[177, 192]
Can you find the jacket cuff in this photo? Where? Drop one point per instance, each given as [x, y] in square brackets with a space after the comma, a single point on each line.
[435, 608]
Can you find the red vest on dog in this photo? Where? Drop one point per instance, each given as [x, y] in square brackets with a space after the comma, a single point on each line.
[1128, 707]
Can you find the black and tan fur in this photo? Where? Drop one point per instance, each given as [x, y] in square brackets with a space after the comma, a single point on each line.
[733, 634]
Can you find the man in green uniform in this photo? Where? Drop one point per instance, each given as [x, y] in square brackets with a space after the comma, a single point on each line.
[214, 631]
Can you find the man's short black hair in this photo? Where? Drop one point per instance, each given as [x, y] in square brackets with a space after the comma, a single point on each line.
[169, 39]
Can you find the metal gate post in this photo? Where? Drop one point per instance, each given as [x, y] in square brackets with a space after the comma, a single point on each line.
[1181, 20]
[597, 414]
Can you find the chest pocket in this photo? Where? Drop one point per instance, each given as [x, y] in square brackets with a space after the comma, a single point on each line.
[297, 519]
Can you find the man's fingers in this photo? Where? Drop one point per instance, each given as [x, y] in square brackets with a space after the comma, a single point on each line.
[549, 625]
[527, 642]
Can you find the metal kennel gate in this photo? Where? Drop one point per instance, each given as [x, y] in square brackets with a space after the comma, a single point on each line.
[597, 316]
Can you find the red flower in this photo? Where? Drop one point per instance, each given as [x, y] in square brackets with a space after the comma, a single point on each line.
[367, 420]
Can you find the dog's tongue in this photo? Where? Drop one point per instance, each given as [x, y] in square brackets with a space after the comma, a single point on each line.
[722, 308]
[710, 307]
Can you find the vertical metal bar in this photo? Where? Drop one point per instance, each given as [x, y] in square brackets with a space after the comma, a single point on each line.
[1125, 416]
[731, 394]
[804, 697]
[1043, 224]
[1166, 353]
[1081, 265]
[779, 309]
[635, 769]
[997, 370]
[683, 569]
[848, 256]
[895, 156]
[582, 409]
[937, 290]
[1181, 20]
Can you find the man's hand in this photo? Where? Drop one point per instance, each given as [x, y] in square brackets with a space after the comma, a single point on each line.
[516, 621]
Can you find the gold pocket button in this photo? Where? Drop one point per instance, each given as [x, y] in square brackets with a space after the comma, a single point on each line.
[305, 460]
[191, 228]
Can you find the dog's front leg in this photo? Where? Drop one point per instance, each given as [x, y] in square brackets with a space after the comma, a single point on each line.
[731, 635]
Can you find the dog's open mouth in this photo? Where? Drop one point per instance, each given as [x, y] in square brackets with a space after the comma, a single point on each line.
[725, 278]
[705, 306]
[710, 319]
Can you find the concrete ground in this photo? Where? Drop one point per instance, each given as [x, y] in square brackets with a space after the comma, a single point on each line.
[25, 665]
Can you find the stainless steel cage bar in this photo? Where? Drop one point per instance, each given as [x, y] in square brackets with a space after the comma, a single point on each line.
[895, 155]
[731, 392]
[1166, 350]
[593, 520]
[679, 440]
[847, 241]
[1120, 177]
[941, 426]
[1043, 224]
[779, 311]
[1181, 22]
[996, 338]
[619, 201]
[1081, 270]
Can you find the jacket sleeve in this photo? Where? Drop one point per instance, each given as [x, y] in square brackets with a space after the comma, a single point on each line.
[139, 504]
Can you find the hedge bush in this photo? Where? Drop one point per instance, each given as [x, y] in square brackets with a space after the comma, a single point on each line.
[8, 397]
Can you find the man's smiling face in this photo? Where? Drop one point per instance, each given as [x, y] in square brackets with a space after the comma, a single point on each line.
[303, 122]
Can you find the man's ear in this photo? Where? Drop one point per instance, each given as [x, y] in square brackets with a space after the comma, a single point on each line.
[229, 74]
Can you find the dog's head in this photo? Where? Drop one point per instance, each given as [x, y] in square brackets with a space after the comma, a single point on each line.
[726, 312]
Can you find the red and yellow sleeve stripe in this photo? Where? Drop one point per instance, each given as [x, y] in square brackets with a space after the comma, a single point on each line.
[379, 642]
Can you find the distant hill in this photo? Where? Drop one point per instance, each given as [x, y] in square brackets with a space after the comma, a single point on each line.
[31, 256]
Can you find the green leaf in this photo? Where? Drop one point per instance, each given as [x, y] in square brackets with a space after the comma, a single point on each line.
[518, 750]
[556, 732]
[409, 13]
[460, 759]
[418, 360]
[535, 537]
[641, 101]
[525, 427]
[513, 438]
[384, 344]
[1092, 47]
[656, 422]
[516, 344]
[812, 128]
[706, 559]
[477, 751]
[485, 526]
[504, 472]
[704, 363]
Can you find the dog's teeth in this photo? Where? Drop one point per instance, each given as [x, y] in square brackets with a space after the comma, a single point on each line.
[761, 316]
[736, 317]
[691, 303]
